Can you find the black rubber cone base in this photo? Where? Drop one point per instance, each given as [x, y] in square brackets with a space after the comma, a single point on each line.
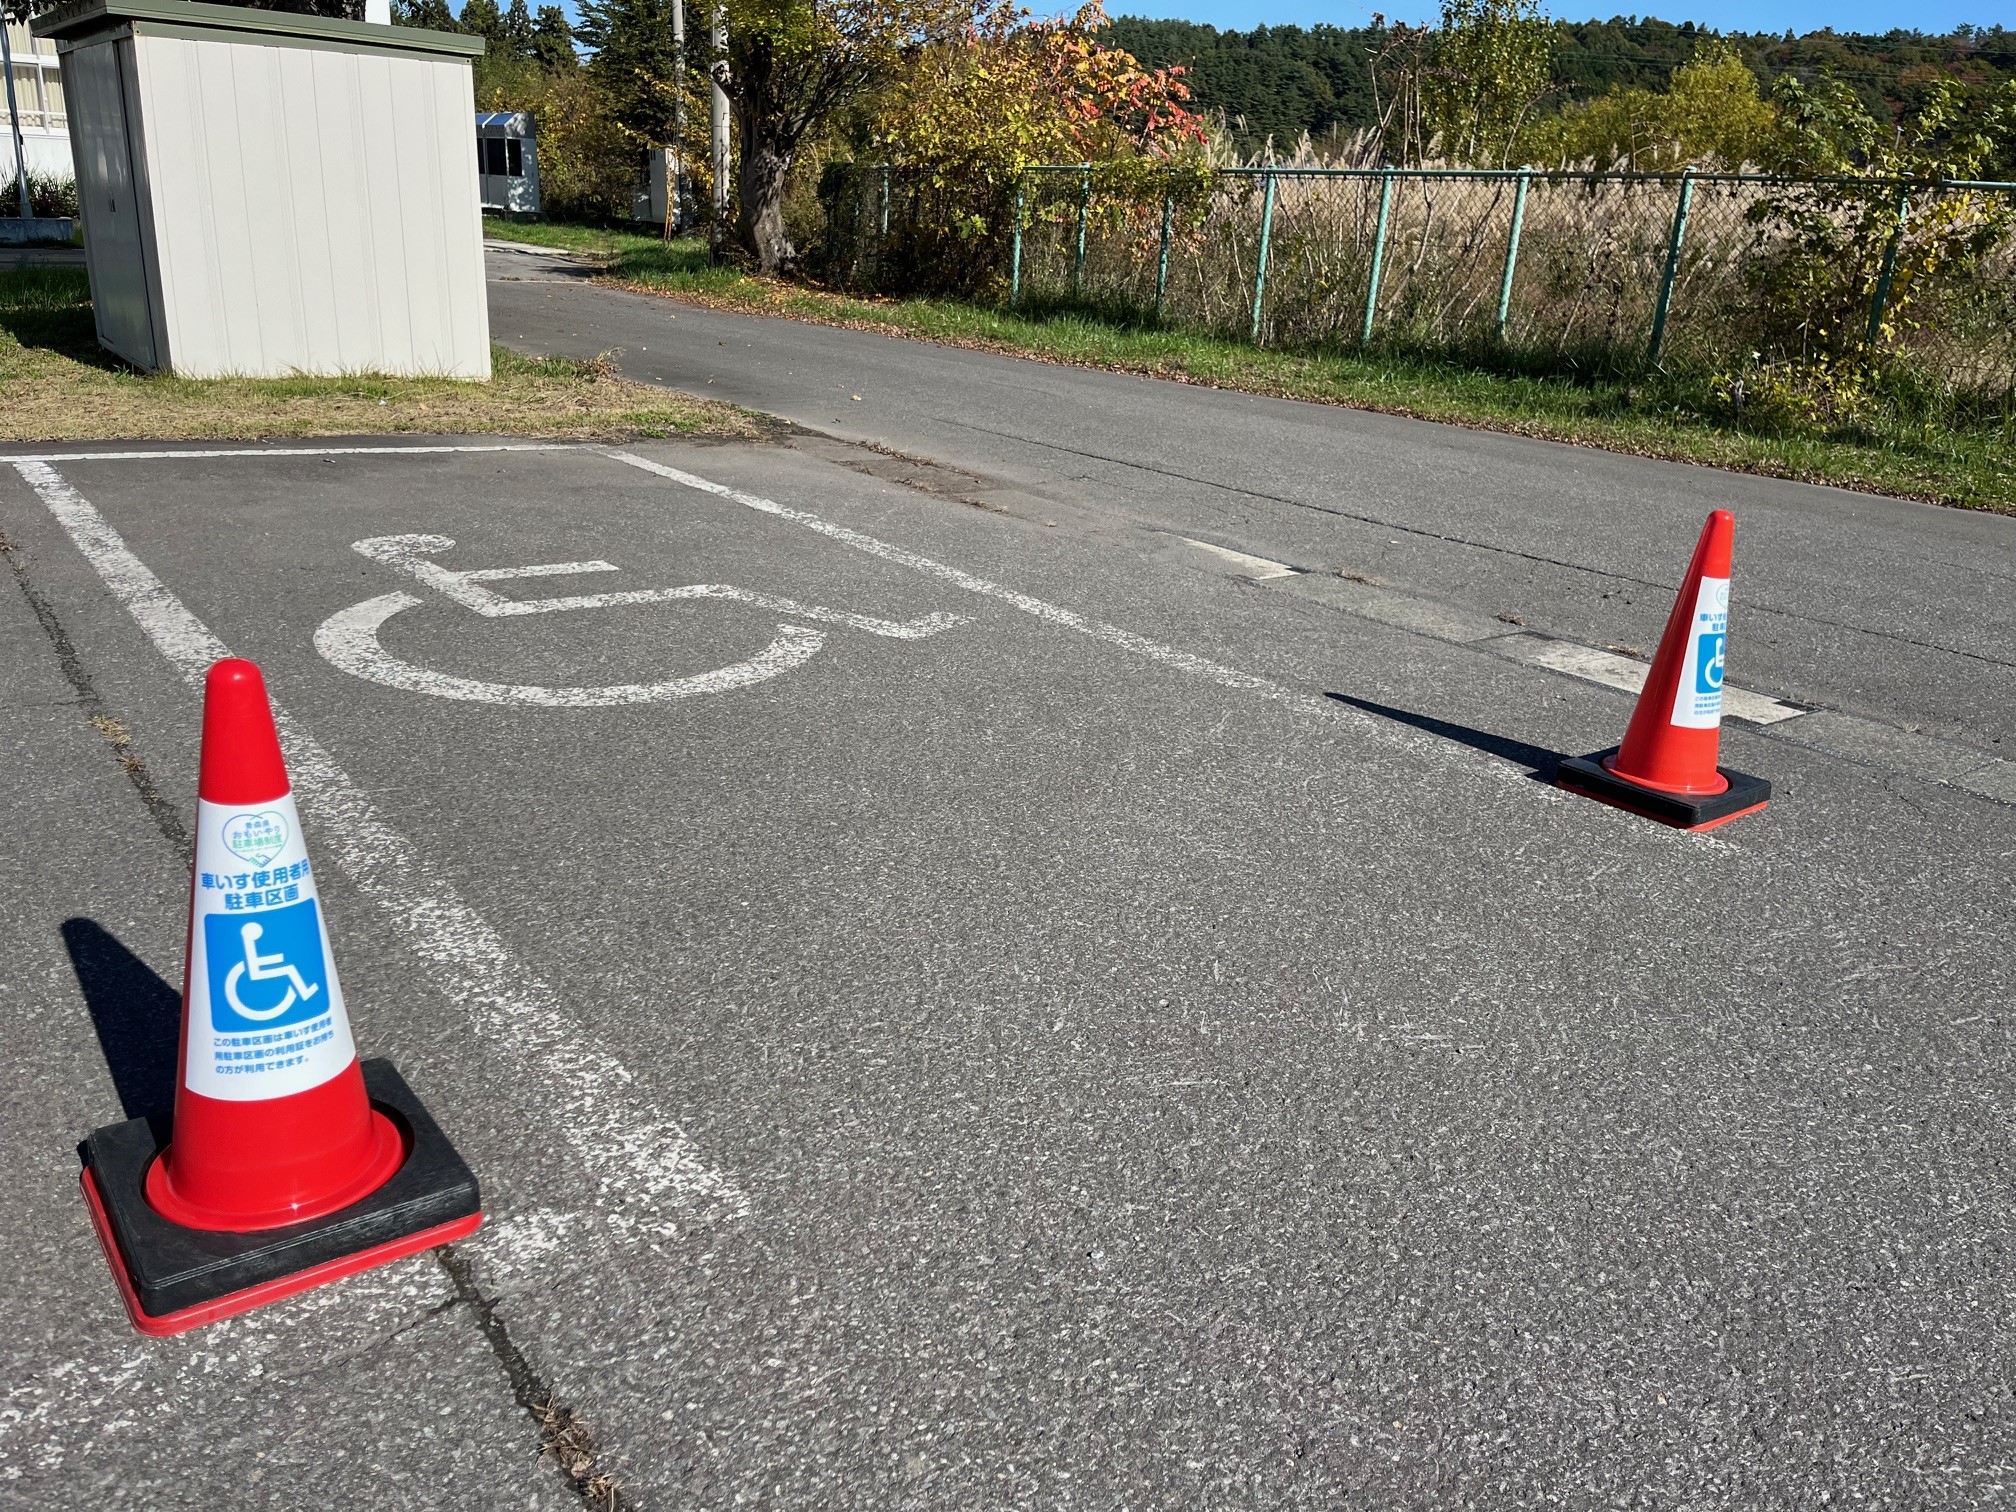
[174, 1278]
[1588, 776]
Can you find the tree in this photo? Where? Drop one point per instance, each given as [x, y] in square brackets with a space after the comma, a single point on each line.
[1274, 82]
[481, 18]
[1487, 68]
[553, 39]
[587, 160]
[429, 15]
[1007, 95]
[1875, 208]
[632, 63]
[518, 29]
[966, 117]
[790, 68]
[1711, 114]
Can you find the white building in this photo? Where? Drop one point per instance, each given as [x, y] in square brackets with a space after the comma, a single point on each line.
[38, 97]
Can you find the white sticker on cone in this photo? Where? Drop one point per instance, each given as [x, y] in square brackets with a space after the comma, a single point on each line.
[265, 1016]
[1697, 702]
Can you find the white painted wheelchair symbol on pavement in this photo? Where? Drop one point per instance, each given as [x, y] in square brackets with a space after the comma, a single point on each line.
[265, 968]
[349, 638]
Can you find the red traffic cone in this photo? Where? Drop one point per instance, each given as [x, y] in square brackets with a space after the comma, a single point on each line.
[289, 1163]
[1666, 769]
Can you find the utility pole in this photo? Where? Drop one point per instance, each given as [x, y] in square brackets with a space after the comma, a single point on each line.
[720, 125]
[675, 187]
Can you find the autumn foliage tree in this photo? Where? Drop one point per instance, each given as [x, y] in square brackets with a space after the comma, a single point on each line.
[1009, 92]
[967, 117]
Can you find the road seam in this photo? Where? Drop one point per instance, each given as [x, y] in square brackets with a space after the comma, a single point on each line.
[1951, 764]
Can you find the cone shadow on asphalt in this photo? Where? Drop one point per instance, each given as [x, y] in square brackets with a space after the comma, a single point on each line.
[137, 1015]
[1538, 760]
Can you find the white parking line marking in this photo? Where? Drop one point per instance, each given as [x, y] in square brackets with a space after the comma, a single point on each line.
[648, 1174]
[1628, 674]
[286, 451]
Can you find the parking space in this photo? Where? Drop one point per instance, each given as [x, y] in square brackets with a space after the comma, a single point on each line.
[954, 1011]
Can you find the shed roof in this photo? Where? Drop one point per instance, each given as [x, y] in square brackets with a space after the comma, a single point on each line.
[81, 19]
[509, 120]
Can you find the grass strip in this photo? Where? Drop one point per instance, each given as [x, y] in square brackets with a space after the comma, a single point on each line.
[57, 384]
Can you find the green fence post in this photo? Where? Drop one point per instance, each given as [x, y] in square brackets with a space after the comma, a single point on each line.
[1260, 269]
[1512, 251]
[1889, 270]
[1673, 247]
[1162, 258]
[1378, 256]
[1015, 257]
[860, 237]
[1078, 262]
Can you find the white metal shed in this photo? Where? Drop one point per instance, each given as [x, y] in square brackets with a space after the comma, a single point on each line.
[507, 161]
[266, 193]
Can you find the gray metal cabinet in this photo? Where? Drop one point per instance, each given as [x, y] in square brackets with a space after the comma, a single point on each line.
[267, 193]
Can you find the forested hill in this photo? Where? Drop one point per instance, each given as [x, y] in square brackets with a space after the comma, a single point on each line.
[1281, 81]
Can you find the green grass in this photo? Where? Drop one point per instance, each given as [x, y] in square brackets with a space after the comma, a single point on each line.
[1972, 464]
[57, 384]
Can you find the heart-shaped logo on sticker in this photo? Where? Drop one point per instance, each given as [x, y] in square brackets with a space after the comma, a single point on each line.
[256, 838]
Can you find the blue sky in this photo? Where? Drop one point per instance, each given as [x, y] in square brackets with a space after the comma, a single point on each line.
[1723, 15]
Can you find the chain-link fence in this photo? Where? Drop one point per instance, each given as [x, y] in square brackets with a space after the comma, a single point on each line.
[1593, 272]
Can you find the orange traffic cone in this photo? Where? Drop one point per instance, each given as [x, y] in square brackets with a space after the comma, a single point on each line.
[1666, 769]
[289, 1163]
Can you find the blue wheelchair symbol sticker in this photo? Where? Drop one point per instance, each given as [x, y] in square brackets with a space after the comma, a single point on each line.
[266, 969]
[1708, 662]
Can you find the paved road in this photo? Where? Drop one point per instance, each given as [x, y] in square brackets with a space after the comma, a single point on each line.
[1138, 1038]
[1902, 612]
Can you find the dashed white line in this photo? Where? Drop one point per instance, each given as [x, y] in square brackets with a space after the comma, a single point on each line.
[1628, 675]
[648, 1174]
[1259, 569]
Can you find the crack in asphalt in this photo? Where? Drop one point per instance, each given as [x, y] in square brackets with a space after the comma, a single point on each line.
[563, 1436]
[1749, 604]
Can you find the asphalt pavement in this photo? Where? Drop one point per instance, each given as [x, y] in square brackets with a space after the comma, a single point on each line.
[994, 1004]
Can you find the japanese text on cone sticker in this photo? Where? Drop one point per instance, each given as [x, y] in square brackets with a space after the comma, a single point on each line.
[1697, 702]
[266, 1014]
